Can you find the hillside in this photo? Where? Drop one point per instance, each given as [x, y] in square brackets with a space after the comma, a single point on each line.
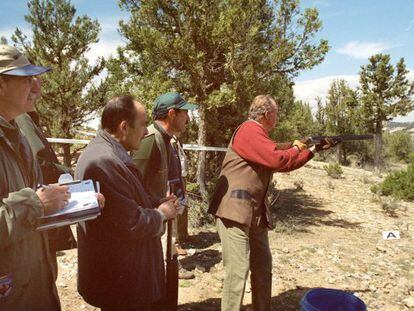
[328, 234]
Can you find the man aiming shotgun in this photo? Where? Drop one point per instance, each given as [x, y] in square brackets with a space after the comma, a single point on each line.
[240, 205]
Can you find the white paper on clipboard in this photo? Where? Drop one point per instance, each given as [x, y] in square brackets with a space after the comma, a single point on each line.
[83, 205]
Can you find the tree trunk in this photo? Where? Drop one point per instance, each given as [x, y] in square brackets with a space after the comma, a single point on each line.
[344, 159]
[378, 147]
[201, 164]
[340, 153]
[67, 157]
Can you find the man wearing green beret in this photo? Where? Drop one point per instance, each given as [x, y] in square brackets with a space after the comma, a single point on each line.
[160, 157]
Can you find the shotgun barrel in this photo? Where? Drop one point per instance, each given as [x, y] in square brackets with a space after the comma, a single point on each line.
[314, 140]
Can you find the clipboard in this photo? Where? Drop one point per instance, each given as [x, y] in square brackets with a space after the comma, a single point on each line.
[82, 206]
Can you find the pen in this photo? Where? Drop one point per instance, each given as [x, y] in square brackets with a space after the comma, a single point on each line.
[42, 186]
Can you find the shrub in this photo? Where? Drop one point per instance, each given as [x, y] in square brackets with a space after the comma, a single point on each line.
[298, 184]
[197, 213]
[399, 184]
[399, 145]
[333, 170]
[390, 208]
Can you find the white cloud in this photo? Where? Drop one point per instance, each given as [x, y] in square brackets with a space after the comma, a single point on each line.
[104, 48]
[309, 90]
[363, 50]
[109, 39]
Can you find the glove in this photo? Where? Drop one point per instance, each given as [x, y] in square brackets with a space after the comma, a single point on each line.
[325, 144]
[300, 144]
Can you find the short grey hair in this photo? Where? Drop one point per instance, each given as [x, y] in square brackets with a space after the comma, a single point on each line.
[260, 105]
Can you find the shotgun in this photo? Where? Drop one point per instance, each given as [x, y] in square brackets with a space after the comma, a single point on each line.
[171, 259]
[314, 140]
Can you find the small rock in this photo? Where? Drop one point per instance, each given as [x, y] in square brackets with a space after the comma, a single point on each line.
[200, 268]
[372, 288]
[285, 250]
[381, 249]
[409, 302]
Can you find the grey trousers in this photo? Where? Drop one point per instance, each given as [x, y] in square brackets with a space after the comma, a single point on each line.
[245, 249]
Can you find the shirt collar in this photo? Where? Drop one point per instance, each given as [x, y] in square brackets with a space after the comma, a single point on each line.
[161, 129]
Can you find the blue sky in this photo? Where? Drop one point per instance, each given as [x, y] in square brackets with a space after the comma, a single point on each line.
[355, 30]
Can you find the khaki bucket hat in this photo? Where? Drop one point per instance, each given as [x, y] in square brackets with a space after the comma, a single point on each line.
[14, 63]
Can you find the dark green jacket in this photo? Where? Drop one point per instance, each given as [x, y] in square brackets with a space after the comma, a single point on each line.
[59, 238]
[25, 260]
[153, 169]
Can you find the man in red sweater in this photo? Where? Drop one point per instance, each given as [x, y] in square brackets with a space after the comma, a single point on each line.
[240, 202]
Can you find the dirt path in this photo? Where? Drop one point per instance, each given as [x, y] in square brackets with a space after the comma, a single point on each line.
[328, 234]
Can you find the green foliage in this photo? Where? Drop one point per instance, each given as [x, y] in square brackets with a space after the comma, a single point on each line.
[3, 40]
[385, 93]
[399, 146]
[340, 114]
[70, 94]
[339, 109]
[399, 184]
[320, 118]
[375, 188]
[333, 170]
[298, 123]
[219, 54]
[197, 213]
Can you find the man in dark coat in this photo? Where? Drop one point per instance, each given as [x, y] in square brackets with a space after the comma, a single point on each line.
[120, 258]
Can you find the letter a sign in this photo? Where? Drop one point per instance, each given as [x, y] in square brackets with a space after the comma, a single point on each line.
[390, 235]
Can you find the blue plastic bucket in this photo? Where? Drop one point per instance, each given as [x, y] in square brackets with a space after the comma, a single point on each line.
[326, 299]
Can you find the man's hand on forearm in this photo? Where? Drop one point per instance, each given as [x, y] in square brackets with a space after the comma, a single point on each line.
[53, 198]
[300, 145]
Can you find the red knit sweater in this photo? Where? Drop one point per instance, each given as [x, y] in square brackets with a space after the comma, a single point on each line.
[253, 144]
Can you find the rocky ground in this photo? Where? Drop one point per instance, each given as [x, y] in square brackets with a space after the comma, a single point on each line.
[328, 234]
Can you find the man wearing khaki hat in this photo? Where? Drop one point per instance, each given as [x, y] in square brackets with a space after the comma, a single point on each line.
[27, 273]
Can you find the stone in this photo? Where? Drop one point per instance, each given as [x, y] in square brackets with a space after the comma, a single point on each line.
[409, 302]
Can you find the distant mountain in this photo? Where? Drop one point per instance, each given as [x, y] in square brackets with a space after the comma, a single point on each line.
[406, 125]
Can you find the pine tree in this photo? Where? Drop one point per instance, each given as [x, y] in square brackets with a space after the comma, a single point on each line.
[220, 54]
[341, 104]
[320, 117]
[386, 93]
[60, 40]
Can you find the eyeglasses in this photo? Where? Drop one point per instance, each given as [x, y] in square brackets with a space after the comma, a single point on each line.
[30, 79]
